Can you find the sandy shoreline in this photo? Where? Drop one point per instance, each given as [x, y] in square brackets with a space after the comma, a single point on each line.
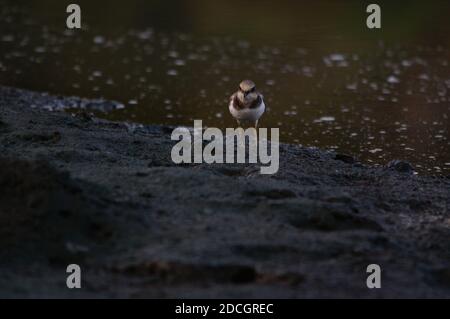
[105, 195]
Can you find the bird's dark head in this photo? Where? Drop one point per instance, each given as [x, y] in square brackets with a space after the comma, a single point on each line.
[247, 86]
[247, 91]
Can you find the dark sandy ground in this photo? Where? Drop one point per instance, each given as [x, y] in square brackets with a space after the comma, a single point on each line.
[106, 196]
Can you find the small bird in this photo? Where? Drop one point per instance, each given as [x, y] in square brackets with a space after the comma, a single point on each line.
[247, 104]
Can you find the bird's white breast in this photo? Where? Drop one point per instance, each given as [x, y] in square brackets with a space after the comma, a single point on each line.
[247, 114]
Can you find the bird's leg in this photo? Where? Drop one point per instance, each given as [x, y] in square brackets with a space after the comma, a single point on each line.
[255, 132]
[241, 141]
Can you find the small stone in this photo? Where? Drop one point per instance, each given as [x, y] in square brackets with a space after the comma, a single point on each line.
[76, 248]
[141, 174]
[401, 166]
[158, 162]
[132, 127]
[342, 198]
[442, 275]
[345, 158]
[3, 126]
[83, 116]
[146, 195]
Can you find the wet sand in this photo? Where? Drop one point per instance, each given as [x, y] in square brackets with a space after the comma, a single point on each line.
[106, 196]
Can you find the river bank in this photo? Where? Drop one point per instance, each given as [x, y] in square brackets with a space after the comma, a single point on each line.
[106, 196]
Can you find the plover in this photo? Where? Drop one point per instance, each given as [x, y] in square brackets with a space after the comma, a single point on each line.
[247, 104]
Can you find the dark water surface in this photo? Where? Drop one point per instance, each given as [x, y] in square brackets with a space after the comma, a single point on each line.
[328, 81]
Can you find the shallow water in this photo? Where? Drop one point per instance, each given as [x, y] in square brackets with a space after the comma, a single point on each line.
[327, 80]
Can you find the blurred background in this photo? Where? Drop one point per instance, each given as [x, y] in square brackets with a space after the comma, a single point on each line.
[328, 80]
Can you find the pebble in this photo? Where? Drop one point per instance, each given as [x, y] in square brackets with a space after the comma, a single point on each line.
[401, 166]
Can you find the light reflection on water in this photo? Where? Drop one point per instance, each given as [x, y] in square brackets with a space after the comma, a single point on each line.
[380, 100]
